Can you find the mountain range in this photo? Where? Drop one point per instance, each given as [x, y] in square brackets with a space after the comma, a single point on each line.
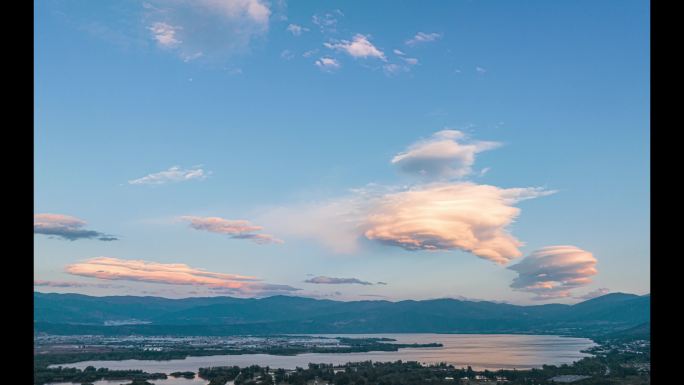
[118, 315]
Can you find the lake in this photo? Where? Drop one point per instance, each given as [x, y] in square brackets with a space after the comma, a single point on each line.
[481, 351]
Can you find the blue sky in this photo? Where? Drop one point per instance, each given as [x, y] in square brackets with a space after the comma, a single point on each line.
[129, 89]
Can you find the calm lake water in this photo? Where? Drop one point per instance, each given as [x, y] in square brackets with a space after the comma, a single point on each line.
[481, 351]
[168, 381]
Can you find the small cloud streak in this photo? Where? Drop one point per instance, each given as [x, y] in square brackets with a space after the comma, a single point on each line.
[165, 34]
[296, 30]
[446, 154]
[336, 281]
[327, 64]
[422, 37]
[594, 293]
[108, 268]
[73, 284]
[359, 47]
[172, 175]
[238, 229]
[66, 227]
[327, 22]
[552, 272]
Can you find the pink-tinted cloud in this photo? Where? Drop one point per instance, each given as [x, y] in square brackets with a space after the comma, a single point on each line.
[164, 34]
[447, 154]
[238, 229]
[553, 271]
[457, 216]
[443, 216]
[66, 227]
[170, 273]
[327, 64]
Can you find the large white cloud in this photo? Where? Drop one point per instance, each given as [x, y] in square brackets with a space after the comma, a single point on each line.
[439, 216]
[446, 154]
[553, 271]
[462, 216]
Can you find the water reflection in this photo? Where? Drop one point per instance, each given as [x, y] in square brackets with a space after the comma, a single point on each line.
[481, 351]
[168, 381]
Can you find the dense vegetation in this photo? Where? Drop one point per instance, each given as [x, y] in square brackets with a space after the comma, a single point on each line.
[405, 373]
[189, 375]
[42, 375]
[355, 345]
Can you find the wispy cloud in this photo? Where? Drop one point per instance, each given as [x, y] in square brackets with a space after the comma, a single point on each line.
[296, 30]
[553, 271]
[165, 34]
[238, 229]
[310, 52]
[327, 64]
[446, 154]
[423, 37]
[287, 54]
[74, 284]
[206, 28]
[358, 47]
[594, 293]
[108, 268]
[403, 65]
[336, 281]
[327, 22]
[66, 227]
[172, 175]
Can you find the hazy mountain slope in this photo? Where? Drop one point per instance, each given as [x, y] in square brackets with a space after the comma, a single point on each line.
[56, 313]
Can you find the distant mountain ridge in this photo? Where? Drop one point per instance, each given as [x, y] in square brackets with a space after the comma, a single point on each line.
[82, 314]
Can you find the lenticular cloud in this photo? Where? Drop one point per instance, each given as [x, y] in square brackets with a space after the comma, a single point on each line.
[447, 154]
[108, 268]
[463, 216]
[551, 272]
